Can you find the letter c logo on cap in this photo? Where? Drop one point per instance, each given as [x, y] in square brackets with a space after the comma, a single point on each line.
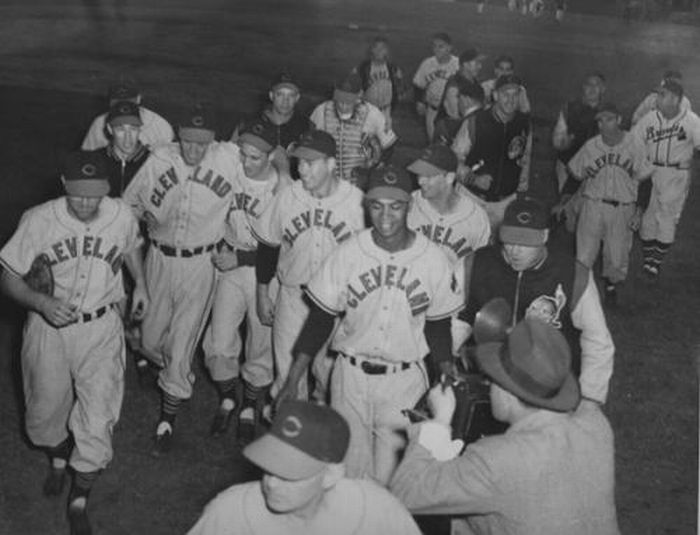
[291, 427]
[524, 217]
[88, 169]
[390, 177]
[198, 120]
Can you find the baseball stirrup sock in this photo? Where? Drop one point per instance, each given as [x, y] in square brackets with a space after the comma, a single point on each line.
[648, 249]
[227, 389]
[82, 484]
[171, 405]
[59, 454]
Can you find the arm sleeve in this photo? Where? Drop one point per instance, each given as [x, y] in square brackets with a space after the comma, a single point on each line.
[526, 160]
[462, 143]
[560, 133]
[266, 263]
[95, 137]
[645, 106]
[19, 252]
[577, 164]
[317, 117]
[438, 334]
[316, 330]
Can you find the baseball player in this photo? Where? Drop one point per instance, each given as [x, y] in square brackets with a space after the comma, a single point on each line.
[73, 353]
[649, 102]
[503, 66]
[670, 135]
[431, 77]
[299, 229]
[395, 292]
[455, 222]
[610, 166]
[183, 193]
[462, 100]
[283, 115]
[154, 129]
[362, 135]
[240, 386]
[470, 64]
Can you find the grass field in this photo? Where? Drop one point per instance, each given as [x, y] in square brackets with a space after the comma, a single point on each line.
[57, 60]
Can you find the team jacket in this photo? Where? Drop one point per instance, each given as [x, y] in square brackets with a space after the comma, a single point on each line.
[287, 133]
[559, 291]
[120, 172]
[578, 119]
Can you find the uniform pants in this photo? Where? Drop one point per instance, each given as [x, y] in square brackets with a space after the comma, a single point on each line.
[290, 314]
[372, 406]
[181, 291]
[74, 380]
[668, 194]
[234, 300]
[599, 221]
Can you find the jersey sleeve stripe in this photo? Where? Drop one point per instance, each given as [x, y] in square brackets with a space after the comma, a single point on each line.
[446, 315]
[262, 240]
[9, 268]
[321, 304]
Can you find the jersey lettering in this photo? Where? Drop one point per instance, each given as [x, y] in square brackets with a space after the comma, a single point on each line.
[611, 159]
[656, 135]
[389, 276]
[216, 183]
[165, 183]
[315, 218]
[90, 246]
[443, 236]
[245, 202]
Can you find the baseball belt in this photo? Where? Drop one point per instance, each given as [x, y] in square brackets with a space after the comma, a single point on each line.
[373, 368]
[84, 317]
[169, 250]
[611, 202]
[672, 165]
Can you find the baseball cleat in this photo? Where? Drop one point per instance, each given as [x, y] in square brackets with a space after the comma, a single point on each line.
[610, 295]
[163, 441]
[54, 482]
[78, 519]
[221, 421]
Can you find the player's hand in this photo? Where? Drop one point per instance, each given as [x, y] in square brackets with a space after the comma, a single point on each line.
[225, 260]
[139, 302]
[421, 108]
[288, 392]
[636, 220]
[265, 308]
[483, 181]
[442, 403]
[58, 312]
[150, 220]
[464, 174]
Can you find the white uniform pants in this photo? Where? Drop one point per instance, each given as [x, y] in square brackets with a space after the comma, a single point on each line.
[668, 194]
[74, 379]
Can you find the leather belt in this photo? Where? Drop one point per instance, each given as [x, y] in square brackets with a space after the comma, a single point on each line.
[373, 368]
[84, 317]
[671, 165]
[611, 202]
[168, 250]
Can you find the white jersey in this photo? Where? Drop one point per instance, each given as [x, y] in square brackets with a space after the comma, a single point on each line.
[189, 204]
[649, 104]
[669, 142]
[85, 258]
[386, 297]
[432, 77]
[458, 233]
[154, 131]
[307, 228]
[611, 173]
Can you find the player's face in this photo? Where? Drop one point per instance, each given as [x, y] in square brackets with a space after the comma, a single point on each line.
[345, 108]
[83, 208]
[608, 124]
[433, 187]
[504, 68]
[472, 68]
[285, 496]
[379, 52]
[667, 102]
[593, 89]
[522, 257]
[315, 174]
[284, 99]
[255, 161]
[507, 98]
[441, 49]
[125, 138]
[193, 152]
[388, 217]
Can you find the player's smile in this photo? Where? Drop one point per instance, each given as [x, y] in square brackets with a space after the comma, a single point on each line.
[83, 208]
[193, 152]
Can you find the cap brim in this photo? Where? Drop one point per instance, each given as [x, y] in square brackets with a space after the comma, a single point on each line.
[388, 192]
[345, 96]
[489, 360]
[196, 135]
[306, 153]
[287, 85]
[278, 458]
[423, 168]
[93, 187]
[606, 112]
[257, 142]
[126, 119]
[529, 237]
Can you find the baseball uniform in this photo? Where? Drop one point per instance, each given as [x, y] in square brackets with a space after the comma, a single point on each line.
[385, 299]
[649, 104]
[188, 207]
[306, 229]
[155, 131]
[432, 77]
[610, 177]
[73, 376]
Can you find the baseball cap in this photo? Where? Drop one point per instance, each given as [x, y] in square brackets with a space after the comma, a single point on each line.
[124, 112]
[506, 80]
[673, 74]
[442, 36]
[470, 89]
[284, 79]
[533, 364]
[607, 108]
[85, 174]
[674, 86]
[348, 90]
[123, 90]
[525, 222]
[437, 159]
[315, 144]
[197, 126]
[260, 135]
[389, 182]
[303, 439]
[470, 54]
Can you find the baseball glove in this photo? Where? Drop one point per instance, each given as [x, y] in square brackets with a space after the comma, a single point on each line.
[40, 277]
[371, 150]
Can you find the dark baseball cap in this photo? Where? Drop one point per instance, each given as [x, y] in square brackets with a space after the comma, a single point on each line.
[525, 222]
[197, 125]
[349, 89]
[607, 108]
[314, 145]
[85, 174]
[672, 85]
[470, 89]
[507, 80]
[124, 112]
[259, 134]
[470, 54]
[284, 79]
[437, 159]
[304, 438]
[123, 90]
[389, 182]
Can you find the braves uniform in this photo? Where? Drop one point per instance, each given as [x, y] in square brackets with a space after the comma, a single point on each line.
[306, 229]
[189, 206]
[73, 376]
[610, 176]
[154, 131]
[432, 77]
[234, 299]
[385, 299]
[649, 104]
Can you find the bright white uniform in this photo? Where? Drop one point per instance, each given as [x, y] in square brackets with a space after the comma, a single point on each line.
[670, 144]
[609, 192]
[649, 104]
[351, 507]
[74, 376]
[154, 131]
[306, 229]
[386, 299]
[190, 206]
[432, 76]
[234, 298]
[350, 134]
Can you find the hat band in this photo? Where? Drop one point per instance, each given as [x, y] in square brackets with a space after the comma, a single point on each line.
[388, 192]
[522, 378]
[87, 187]
[196, 135]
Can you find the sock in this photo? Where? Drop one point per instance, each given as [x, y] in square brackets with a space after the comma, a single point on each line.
[82, 485]
[648, 250]
[58, 455]
[228, 389]
[171, 405]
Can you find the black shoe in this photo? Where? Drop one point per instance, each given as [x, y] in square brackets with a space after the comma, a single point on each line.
[651, 272]
[249, 426]
[163, 441]
[147, 378]
[78, 519]
[54, 482]
[610, 295]
[221, 421]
